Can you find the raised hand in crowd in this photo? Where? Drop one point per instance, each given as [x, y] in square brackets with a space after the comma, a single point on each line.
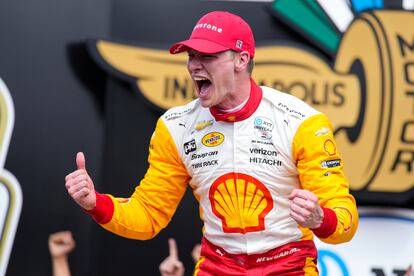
[195, 253]
[409, 271]
[172, 266]
[60, 245]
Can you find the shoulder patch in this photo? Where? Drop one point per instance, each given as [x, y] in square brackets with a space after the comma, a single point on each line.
[294, 112]
[179, 111]
[289, 104]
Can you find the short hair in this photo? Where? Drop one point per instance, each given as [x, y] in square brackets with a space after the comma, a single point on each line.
[250, 64]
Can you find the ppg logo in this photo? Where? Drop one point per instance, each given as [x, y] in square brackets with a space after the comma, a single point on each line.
[190, 146]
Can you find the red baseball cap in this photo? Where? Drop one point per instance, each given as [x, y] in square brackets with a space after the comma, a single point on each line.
[216, 32]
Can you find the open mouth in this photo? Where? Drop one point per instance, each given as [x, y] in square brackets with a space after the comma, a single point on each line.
[203, 84]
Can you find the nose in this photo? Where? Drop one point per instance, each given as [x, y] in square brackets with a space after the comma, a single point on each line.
[194, 64]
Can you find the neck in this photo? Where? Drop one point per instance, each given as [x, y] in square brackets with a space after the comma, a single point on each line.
[238, 96]
[245, 112]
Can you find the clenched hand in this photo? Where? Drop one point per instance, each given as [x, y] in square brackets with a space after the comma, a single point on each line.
[305, 209]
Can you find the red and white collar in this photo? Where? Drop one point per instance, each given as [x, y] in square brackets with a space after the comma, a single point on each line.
[246, 111]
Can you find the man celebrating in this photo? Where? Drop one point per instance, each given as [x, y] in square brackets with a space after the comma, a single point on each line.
[263, 165]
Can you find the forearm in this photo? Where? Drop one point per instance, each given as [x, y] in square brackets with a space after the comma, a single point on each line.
[156, 198]
[146, 212]
[347, 221]
[141, 217]
[60, 266]
[321, 171]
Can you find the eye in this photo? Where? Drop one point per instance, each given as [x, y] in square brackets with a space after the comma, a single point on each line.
[207, 56]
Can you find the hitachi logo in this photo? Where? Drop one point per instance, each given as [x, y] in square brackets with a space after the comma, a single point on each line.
[208, 26]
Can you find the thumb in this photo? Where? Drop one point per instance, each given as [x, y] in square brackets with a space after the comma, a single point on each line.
[80, 161]
[293, 194]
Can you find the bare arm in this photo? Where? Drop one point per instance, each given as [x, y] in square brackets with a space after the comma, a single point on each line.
[60, 245]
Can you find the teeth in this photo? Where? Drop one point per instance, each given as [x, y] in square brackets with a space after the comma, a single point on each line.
[200, 79]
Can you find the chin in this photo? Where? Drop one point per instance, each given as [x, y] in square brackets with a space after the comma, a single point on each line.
[205, 104]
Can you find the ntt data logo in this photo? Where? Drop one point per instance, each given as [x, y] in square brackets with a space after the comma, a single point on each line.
[366, 88]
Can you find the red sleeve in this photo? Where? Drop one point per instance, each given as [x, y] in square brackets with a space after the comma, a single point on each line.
[328, 225]
[104, 209]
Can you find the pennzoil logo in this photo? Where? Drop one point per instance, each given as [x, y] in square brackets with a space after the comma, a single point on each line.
[213, 139]
[366, 89]
[241, 202]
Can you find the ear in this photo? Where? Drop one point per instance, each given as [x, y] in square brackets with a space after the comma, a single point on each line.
[242, 60]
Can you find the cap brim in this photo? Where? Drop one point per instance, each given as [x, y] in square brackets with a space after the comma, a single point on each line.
[200, 45]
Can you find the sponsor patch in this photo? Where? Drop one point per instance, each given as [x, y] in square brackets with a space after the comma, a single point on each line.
[329, 147]
[292, 112]
[203, 155]
[178, 113]
[331, 163]
[323, 131]
[190, 146]
[231, 118]
[212, 139]
[239, 44]
[262, 142]
[263, 151]
[267, 161]
[203, 124]
[205, 164]
[263, 128]
[184, 125]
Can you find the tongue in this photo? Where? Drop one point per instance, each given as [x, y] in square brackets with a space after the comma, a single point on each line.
[204, 88]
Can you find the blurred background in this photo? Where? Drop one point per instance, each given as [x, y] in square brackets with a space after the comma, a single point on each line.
[68, 97]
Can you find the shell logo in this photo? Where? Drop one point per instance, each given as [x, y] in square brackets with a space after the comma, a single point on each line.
[212, 139]
[329, 147]
[241, 202]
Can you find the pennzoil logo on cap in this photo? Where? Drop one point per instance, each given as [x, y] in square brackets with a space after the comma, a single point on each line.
[213, 139]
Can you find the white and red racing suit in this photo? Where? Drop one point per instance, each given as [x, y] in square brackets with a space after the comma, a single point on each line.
[242, 166]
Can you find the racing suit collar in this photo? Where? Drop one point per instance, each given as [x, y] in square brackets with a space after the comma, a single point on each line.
[247, 110]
